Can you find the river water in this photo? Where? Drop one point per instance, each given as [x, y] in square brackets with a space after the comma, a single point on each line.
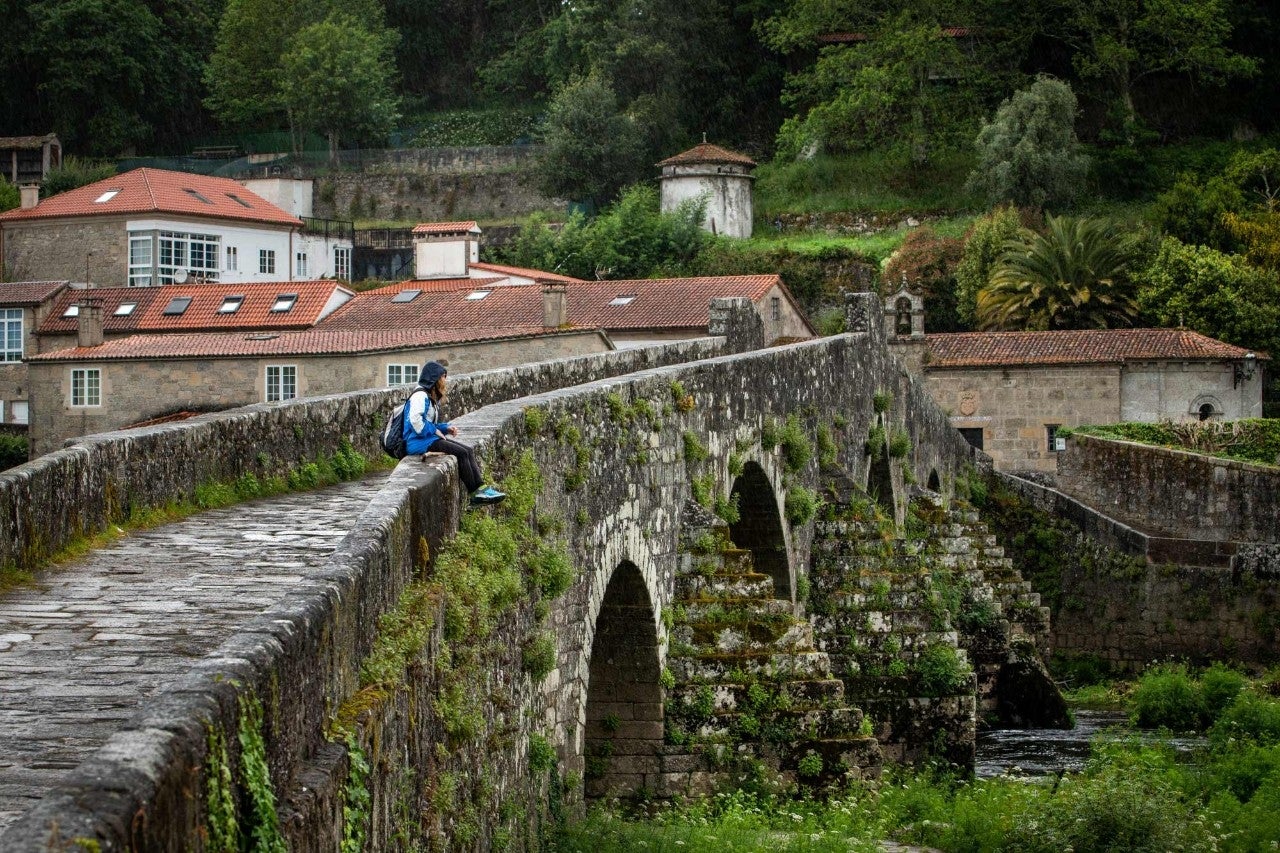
[1044, 752]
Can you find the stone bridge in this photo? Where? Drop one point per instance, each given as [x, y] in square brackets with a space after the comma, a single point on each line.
[601, 632]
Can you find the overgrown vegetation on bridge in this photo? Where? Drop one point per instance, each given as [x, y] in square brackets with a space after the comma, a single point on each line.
[1249, 440]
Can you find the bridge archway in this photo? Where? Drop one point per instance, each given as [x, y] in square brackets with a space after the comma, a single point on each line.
[624, 692]
[759, 527]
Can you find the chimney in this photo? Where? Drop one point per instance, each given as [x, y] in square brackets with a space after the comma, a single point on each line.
[30, 195]
[555, 305]
[89, 330]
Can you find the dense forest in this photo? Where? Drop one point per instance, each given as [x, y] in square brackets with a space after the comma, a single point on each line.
[160, 76]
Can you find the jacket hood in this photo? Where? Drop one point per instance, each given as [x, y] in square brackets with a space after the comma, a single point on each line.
[431, 373]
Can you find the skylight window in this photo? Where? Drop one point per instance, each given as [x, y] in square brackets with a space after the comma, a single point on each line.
[72, 311]
[477, 294]
[406, 296]
[197, 196]
[177, 306]
[284, 302]
[230, 304]
[623, 299]
[239, 200]
[106, 196]
[124, 309]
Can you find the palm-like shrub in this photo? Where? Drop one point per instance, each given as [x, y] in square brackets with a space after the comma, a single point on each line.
[1073, 276]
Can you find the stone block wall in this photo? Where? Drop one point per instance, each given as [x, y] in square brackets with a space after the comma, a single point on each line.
[1131, 599]
[66, 249]
[1173, 492]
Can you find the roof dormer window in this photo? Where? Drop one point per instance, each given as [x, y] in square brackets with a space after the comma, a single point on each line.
[124, 309]
[230, 304]
[284, 302]
[106, 196]
[177, 306]
[72, 311]
[623, 299]
[406, 296]
[197, 196]
[477, 295]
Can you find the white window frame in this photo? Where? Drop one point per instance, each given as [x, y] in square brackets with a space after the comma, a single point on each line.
[342, 263]
[281, 382]
[402, 374]
[267, 261]
[142, 264]
[20, 411]
[11, 327]
[233, 259]
[86, 387]
[300, 264]
[155, 257]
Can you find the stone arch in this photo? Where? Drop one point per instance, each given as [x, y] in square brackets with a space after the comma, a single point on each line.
[759, 527]
[1206, 407]
[935, 482]
[623, 734]
[902, 317]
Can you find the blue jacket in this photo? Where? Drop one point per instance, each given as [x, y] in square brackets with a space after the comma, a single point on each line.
[421, 425]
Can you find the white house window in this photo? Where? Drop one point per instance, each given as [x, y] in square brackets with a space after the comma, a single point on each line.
[233, 259]
[86, 387]
[19, 412]
[267, 261]
[342, 264]
[284, 302]
[72, 311]
[195, 254]
[401, 374]
[10, 334]
[124, 309]
[300, 264]
[282, 382]
[477, 295]
[142, 268]
[230, 304]
[106, 196]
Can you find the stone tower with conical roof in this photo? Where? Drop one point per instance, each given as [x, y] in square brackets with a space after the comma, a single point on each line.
[723, 176]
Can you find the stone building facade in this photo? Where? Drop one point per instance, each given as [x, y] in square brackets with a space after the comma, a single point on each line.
[722, 177]
[23, 307]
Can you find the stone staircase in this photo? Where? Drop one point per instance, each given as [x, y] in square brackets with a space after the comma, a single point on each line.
[749, 693]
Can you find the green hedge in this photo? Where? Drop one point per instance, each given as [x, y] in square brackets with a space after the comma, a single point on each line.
[13, 450]
[1249, 440]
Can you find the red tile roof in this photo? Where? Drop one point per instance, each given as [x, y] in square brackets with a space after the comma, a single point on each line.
[671, 303]
[202, 312]
[14, 293]
[159, 191]
[524, 272]
[446, 227]
[706, 152]
[1092, 346]
[298, 343]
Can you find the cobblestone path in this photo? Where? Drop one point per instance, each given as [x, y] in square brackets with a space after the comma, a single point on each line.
[80, 653]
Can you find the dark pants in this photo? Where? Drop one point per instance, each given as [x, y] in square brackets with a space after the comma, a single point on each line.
[468, 469]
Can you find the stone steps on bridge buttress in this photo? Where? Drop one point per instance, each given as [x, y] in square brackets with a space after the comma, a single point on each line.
[747, 683]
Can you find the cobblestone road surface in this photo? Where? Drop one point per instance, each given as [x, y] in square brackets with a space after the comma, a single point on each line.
[81, 651]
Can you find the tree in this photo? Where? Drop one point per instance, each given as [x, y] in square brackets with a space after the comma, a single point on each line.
[1194, 210]
[1073, 276]
[1119, 43]
[592, 149]
[1216, 294]
[927, 263]
[9, 196]
[1029, 154]
[336, 74]
[75, 172]
[983, 246]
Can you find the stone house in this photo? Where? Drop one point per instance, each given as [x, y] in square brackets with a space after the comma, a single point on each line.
[114, 384]
[151, 226]
[1009, 392]
[721, 176]
[23, 306]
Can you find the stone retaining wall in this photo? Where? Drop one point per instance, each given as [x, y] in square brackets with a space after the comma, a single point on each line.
[1132, 599]
[1173, 492]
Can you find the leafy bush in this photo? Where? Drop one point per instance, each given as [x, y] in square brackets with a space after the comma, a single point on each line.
[1250, 439]
[982, 248]
[592, 149]
[504, 126]
[10, 197]
[942, 671]
[1251, 716]
[538, 656]
[75, 172]
[899, 444]
[1167, 697]
[13, 450]
[801, 505]
[1028, 154]
[796, 449]
[1192, 211]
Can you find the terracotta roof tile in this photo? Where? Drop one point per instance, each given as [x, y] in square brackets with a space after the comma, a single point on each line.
[524, 272]
[201, 313]
[1092, 346]
[14, 293]
[446, 227]
[706, 152]
[671, 303]
[159, 191]
[299, 343]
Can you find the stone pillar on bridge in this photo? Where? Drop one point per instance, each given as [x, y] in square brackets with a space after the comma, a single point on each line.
[862, 315]
[737, 321]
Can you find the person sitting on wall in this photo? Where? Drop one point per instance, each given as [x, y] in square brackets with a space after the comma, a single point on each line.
[424, 431]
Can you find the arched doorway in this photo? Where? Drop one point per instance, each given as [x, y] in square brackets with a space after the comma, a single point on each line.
[759, 527]
[624, 691]
[935, 483]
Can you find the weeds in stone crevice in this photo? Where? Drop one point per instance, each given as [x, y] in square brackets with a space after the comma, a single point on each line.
[357, 802]
[259, 829]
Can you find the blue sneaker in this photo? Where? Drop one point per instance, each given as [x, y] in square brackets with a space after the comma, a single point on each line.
[487, 495]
